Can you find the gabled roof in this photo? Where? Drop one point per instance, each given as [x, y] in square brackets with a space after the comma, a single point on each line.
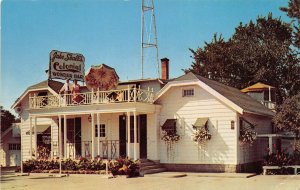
[54, 85]
[161, 81]
[231, 96]
[257, 87]
[44, 85]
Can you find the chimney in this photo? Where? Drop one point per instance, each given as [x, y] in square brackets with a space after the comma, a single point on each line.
[165, 68]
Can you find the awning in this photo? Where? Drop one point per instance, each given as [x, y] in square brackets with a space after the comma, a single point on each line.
[41, 129]
[201, 122]
[257, 87]
[170, 124]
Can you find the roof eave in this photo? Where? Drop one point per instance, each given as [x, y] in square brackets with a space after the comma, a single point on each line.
[258, 113]
[25, 93]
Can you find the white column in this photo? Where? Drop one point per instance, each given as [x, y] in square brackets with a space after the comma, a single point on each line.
[30, 131]
[35, 137]
[128, 134]
[269, 94]
[65, 136]
[270, 145]
[98, 124]
[59, 142]
[21, 151]
[93, 136]
[51, 141]
[135, 136]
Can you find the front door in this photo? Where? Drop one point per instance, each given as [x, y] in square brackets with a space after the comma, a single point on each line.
[122, 135]
[143, 136]
[73, 137]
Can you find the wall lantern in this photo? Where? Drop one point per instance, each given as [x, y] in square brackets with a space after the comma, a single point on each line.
[123, 116]
[90, 118]
[232, 124]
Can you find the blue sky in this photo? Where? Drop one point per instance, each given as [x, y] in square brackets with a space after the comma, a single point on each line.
[108, 31]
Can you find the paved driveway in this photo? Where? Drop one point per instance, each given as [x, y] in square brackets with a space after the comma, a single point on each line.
[151, 182]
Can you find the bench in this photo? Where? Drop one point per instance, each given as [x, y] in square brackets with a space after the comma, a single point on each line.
[295, 167]
[265, 168]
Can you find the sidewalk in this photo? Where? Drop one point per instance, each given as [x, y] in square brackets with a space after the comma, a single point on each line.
[160, 181]
[184, 174]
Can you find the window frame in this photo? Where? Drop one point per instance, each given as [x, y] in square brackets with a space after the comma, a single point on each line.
[102, 130]
[14, 146]
[187, 89]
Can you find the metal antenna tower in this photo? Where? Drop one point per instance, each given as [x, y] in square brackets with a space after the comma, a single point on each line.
[148, 11]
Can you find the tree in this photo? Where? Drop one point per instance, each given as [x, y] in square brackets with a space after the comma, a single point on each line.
[293, 11]
[287, 116]
[211, 61]
[6, 119]
[257, 52]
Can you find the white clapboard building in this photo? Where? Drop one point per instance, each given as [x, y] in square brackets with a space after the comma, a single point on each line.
[10, 150]
[129, 121]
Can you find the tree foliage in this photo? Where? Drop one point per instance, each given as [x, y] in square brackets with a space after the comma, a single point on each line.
[293, 11]
[257, 52]
[288, 115]
[6, 119]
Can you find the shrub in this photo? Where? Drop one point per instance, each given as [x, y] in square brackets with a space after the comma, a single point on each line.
[121, 166]
[278, 159]
[124, 166]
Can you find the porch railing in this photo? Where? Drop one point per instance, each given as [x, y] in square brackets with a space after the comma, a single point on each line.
[269, 104]
[108, 149]
[90, 98]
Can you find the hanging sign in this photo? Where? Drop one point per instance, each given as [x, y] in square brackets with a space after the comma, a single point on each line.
[65, 65]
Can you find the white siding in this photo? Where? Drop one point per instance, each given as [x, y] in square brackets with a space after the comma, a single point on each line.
[153, 136]
[221, 149]
[9, 157]
[248, 154]
[25, 123]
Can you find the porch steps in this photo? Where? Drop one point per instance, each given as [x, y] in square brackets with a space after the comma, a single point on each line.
[150, 167]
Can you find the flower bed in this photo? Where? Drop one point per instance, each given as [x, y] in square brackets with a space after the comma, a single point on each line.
[121, 166]
[282, 159]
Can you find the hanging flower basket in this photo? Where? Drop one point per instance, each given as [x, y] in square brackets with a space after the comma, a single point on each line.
[247, 136]
[201, 135]
[170, 137]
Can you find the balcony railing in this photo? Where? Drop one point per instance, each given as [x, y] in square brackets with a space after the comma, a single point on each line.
[269, 104]
[90, 98]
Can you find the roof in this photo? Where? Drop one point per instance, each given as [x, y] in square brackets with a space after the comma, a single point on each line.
[256, 87]
[54, 85]
[143, 80]
[235, 96]
[4, 133]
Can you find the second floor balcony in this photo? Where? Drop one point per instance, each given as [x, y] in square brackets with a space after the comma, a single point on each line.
[269, 104]
[92, 98]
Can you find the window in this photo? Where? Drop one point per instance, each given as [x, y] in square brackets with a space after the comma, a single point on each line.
[14, 146]
[102, 130]
[169, 126]
[187, 92]
[132, 129]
